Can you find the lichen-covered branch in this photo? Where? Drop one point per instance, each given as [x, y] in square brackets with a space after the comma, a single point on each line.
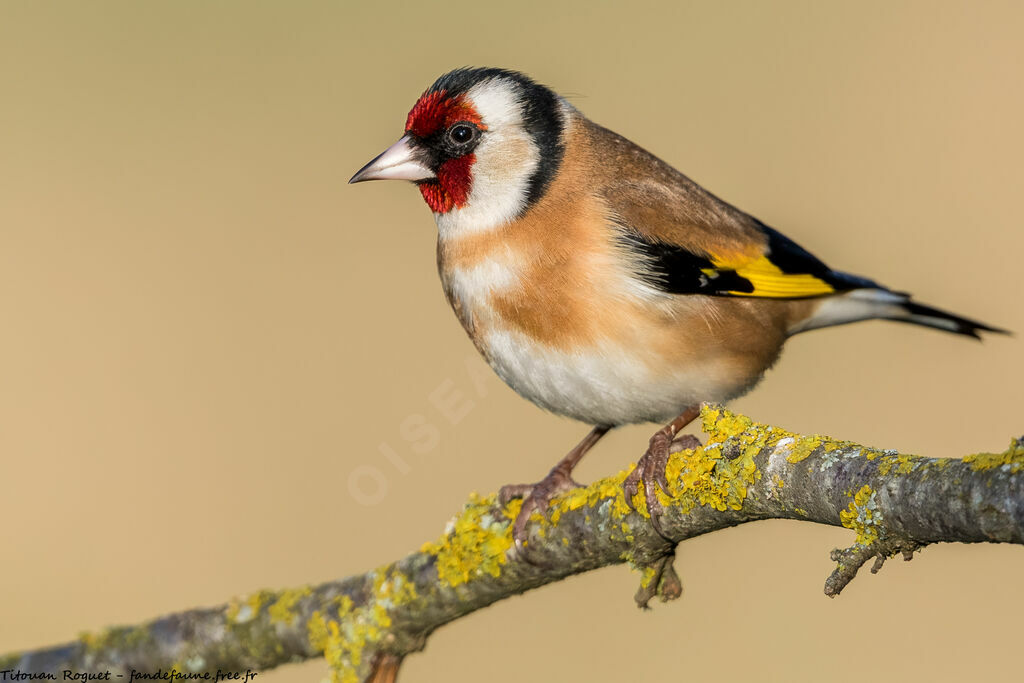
[364, 625]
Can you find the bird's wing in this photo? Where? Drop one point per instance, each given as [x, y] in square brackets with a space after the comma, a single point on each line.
[687, 241]
[778, 269]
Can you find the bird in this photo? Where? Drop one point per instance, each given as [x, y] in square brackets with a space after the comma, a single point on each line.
[598, 281]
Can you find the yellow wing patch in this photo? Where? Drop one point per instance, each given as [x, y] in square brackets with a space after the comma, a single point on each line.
[769, 280]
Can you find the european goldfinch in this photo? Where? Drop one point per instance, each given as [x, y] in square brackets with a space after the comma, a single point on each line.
[599, 282]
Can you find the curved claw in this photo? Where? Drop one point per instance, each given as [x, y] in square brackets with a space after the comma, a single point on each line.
[519, 531]
[629, 486]
[653, 476]
[509, 492]
[658, 472]
[650, 470]
[536, 497]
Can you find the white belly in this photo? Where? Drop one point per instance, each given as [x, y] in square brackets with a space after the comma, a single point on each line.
[601, 385]
[612, 380]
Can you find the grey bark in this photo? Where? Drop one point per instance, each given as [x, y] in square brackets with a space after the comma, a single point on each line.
[364, 625]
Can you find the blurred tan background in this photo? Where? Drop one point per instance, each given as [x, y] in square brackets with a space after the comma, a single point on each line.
[206, 331]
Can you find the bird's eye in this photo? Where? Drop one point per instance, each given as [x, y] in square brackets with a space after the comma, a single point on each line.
[461, 133]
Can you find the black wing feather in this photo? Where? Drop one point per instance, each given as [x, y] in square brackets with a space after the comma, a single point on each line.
[790, 257]
[676, 270]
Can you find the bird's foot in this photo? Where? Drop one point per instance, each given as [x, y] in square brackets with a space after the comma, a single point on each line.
[536, 497]
[650, 472]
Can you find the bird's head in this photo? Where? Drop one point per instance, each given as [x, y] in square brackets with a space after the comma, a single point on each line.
[481, 144]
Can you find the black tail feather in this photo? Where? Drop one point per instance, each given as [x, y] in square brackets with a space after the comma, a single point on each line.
[919, 314]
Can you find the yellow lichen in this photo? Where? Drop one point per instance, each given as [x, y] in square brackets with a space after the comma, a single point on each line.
[283, 609]
[719, 473]
[802, 449]
[900, 464]
[243, 610]
[706, 477]
[116, 637]
[609, 489]
[343, 659]
[648, 574]
[95, 641]
[475, 543]
[392, 588]
[343, 637]
[317, 629]
[1011, 460]
[863, 516]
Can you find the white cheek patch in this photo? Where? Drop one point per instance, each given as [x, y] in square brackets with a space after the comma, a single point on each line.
[505, 160]
[496, 100]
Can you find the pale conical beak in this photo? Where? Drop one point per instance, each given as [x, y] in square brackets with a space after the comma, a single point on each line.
[398, 162]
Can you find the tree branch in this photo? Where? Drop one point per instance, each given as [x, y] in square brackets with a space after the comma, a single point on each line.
[364, 625]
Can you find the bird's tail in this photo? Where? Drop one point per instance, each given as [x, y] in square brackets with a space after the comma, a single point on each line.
[877, 303]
